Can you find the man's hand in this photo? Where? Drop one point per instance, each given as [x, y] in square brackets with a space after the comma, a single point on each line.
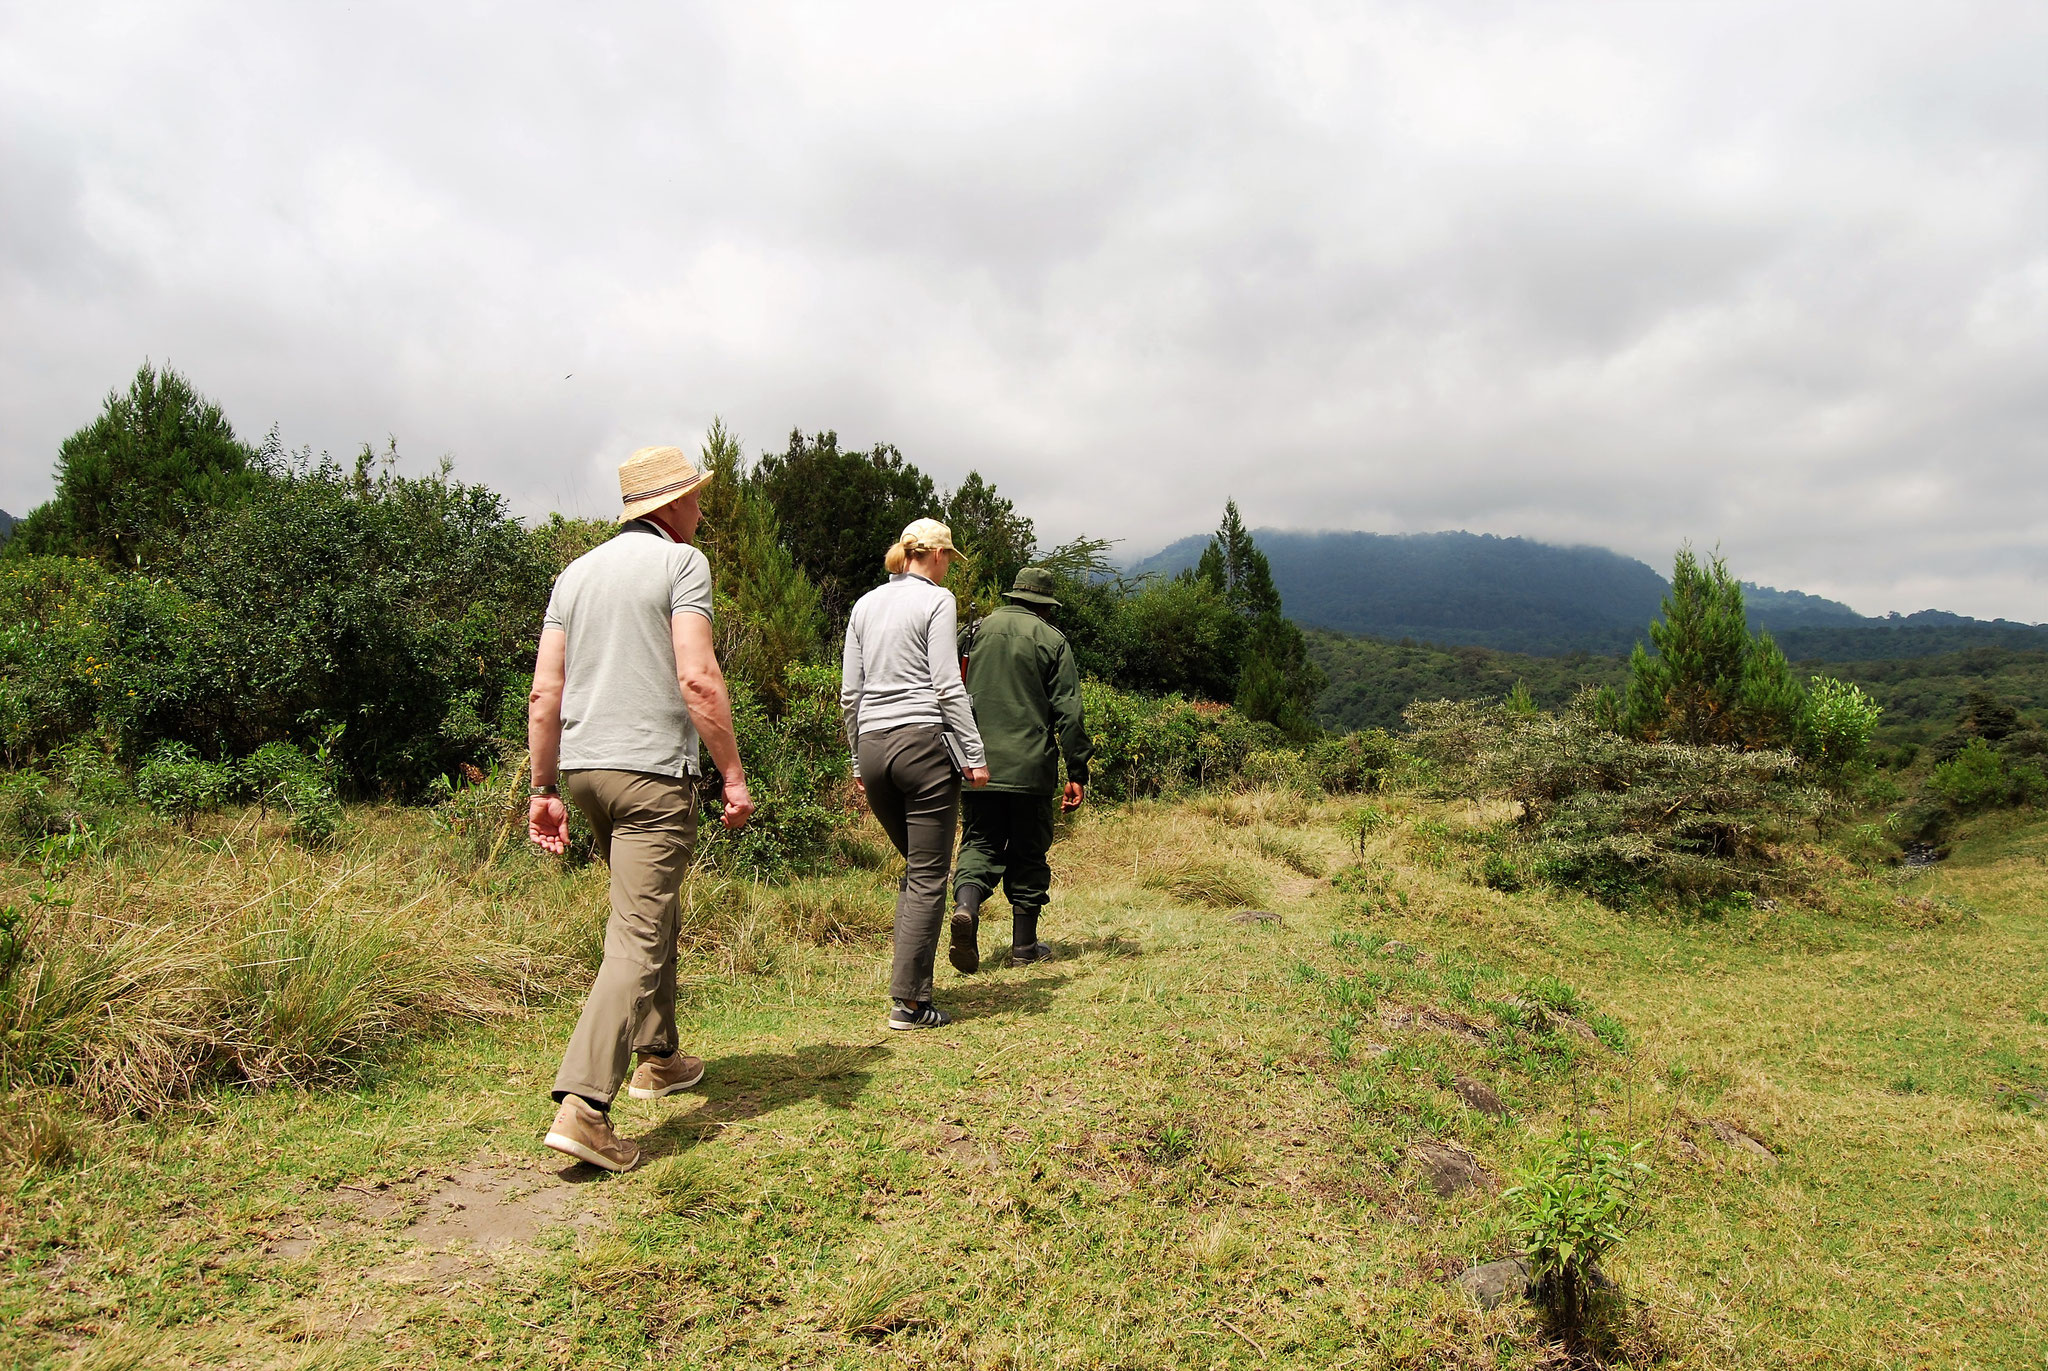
[1070, 798]
[739, 805]
[977, 776]
[547, 823]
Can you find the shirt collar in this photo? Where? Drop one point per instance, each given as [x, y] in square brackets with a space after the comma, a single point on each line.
[651, 527]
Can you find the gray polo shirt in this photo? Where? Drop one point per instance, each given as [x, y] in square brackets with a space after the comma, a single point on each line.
[622, 709]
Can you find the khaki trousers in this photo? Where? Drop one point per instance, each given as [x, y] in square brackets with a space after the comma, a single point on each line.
[646, 829]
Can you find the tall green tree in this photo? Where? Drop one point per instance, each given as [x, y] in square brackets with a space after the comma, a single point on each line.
[777, 619]
[134, 479]
[839, 511]
[1710, 680]
[998, 540]
[1276, 681]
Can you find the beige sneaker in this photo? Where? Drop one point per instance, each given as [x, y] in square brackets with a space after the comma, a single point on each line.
[585, 1134]
[660, 1076]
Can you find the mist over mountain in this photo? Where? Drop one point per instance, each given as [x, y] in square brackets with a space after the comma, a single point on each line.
[1519, 595]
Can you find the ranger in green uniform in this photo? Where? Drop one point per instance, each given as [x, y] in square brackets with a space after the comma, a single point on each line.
[1027, 702]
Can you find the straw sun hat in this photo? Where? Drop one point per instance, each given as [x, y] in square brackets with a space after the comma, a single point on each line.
[654, 476]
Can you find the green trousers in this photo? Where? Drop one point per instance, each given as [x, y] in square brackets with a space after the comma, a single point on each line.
[1003, 842]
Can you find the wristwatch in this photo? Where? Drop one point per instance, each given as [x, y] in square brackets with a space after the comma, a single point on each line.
[536, 791]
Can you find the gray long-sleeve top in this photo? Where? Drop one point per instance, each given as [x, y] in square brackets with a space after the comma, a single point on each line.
[902, 665]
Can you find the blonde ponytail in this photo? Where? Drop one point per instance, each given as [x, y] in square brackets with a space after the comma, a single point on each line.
[897, 558]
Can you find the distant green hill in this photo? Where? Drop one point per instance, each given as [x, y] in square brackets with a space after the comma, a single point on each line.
[7, 523]
[1518, 595]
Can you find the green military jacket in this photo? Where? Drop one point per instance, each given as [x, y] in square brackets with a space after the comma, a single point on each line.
[1027, 702]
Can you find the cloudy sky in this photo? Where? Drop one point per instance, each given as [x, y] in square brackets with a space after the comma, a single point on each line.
[1769, 276]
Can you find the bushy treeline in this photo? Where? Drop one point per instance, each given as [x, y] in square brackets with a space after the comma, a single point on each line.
[188, 601]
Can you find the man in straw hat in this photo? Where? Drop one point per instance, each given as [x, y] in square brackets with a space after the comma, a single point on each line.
[625, 684]
[1027, 698]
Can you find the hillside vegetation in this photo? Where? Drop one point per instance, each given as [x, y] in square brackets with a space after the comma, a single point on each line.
[1517, 595]
[1197, 1137]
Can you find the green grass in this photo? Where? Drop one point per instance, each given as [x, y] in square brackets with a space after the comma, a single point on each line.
[1185, 1142]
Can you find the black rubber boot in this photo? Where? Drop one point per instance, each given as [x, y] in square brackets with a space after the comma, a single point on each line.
[965, 951]
[1024, 945]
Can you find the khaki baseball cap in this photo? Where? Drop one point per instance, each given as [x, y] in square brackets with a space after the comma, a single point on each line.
[929, 535]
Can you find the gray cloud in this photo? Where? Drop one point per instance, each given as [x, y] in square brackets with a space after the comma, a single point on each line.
[1776, 280]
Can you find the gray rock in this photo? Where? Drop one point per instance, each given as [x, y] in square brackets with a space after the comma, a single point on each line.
[1450, 1170]
[1734, 1137]
[1480, 1096]
[1498, 1283]
[1256, 916]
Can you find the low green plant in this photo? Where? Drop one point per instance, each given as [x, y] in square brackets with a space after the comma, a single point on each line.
[1573, 1204]
[1835, 727]
[1500, 872]
[178, 784]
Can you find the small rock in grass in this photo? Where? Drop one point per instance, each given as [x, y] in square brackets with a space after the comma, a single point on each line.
[1255, 916]
[1497, 1283]
[1399, 950]
[1480, 1096]
[1450, 1170]
[1741, 1141]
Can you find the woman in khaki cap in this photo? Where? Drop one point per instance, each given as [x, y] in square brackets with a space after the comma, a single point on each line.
[901, 695]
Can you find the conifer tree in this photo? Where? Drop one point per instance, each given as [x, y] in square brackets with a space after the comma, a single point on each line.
[776, 619]
[1710, 680]
[132, 481]
[1277, 683]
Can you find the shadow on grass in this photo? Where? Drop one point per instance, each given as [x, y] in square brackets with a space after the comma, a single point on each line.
[1110, 945]
[755, 1083]
[982, 999]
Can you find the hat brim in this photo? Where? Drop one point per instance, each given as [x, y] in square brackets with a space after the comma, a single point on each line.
[1033, 597]
[641, 508]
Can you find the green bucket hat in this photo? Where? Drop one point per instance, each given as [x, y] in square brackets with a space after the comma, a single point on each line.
[1035, 584]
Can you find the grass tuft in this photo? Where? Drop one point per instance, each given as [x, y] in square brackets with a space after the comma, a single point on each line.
[1218, 885]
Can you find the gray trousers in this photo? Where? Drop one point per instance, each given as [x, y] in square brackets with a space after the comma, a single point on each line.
[915, 793]
[646, 829]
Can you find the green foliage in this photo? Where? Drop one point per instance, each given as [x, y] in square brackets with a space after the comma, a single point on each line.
[1711, 681]
[405, 608]
[131, 481]
[1573, 1204]
[176, 783]
[771, 617]
[1836, 725]
[1150, 746]
[1277, 683]
[1979, 778]
[1615, 816]
[1371, 680]
[998, 541]
[840, 511]
[1354, 762]
[797, 771]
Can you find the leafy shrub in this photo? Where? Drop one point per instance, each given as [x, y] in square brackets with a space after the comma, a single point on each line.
[1836, 725]
[1499, 872]
[1978, 778]
[797, 772]
[178, 784]
[1574, 1203]
[1354, 763]
[1614, 816]
[1147, 746]
[1278, 769]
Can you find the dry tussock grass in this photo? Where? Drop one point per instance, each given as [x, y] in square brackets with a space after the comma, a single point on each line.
[262, 962]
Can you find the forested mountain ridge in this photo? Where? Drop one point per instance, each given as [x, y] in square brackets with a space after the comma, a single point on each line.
[1519, 595]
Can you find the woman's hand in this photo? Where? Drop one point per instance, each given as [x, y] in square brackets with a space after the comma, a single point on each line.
[977, 776]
